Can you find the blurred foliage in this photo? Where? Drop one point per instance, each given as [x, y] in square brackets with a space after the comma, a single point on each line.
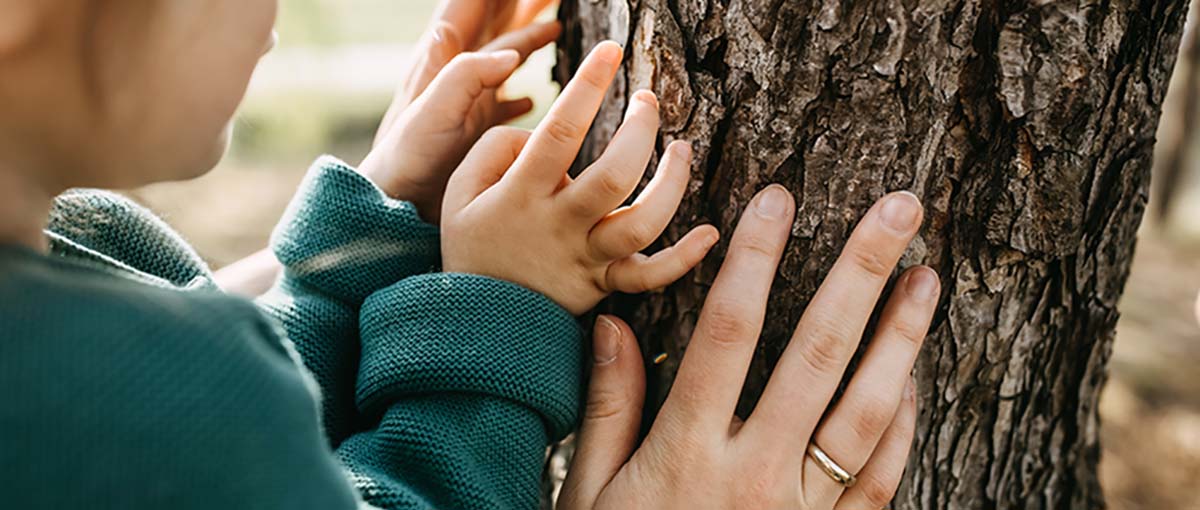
[299, 125]
[336, 22]
[327, 84]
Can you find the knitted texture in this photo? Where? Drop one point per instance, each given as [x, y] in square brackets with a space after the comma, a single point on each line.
[344, 237]
[99, 225]
[122, 395]
[493, 354]
[325, 333]
[128, 385]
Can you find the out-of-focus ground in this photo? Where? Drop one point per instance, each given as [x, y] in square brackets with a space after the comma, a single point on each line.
[326, 86]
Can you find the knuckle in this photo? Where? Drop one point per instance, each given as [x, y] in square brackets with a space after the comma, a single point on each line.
[908, 331]
[638, 235]
[878, 491]
[871, 262]
[869, 419]
[725, 323]
[563, 131]
[755, 247]
[823, 352]
[604, 404]
[610, 182]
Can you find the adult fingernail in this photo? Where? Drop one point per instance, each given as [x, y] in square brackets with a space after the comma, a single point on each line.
[900, 211]
[910, 390]
[606, 342]
[922, 284]
[773, 202]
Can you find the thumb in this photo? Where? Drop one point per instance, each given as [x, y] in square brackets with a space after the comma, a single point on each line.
[452, 94]
[614, 411]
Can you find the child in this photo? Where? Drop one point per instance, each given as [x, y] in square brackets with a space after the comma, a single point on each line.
[129, 381]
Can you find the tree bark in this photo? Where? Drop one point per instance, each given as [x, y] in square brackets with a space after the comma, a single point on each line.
[1026, 127]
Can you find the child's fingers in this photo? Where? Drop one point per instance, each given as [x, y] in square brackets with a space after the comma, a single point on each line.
[639, 273]
[631, 229]
[454, 92]
[556, 141]
[509, 110]
[606, 184]
[484, 165]
[526, 40]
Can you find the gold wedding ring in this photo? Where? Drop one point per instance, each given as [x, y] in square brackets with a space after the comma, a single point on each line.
[831, 468]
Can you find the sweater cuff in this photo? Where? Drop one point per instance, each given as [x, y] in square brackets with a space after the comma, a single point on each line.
[461, 333]
[345, 237]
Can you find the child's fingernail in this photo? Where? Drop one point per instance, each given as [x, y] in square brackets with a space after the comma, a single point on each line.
[683, 150]
[900, 211]
[773, 202]
[922, 284]
[606, 341]
[647, 97]
[609, 52]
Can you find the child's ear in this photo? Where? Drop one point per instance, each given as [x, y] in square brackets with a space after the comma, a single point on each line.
[20, 22]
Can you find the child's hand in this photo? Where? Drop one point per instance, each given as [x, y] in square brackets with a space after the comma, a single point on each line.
[511, 212]
[417, 148]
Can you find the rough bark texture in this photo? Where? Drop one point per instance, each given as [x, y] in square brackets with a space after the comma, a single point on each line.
[1025, 127]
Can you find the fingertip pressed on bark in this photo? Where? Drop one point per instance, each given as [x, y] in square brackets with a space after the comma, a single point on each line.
[1025, 128]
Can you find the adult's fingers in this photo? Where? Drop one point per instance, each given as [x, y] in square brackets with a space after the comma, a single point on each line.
[640, 273]
[631, 229]
[852, 429]
[469, 17]
[484, 166]
[613, 415]
[610, 180]
[829, 332]
[437, 49]
[527, 11]
[878, 481]
[557, 139]
[439, 45]
[711, 374]
[526, 40]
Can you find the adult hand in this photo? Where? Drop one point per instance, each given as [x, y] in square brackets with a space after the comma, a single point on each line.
[451, 97]
[697, 454]
[458, 26]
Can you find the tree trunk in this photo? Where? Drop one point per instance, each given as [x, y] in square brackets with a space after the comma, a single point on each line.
[1025, 127]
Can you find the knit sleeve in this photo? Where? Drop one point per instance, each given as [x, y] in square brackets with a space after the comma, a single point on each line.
[344, 237]
[467, 380]
[340, 240]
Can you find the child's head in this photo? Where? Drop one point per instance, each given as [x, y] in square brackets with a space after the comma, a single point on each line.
[119, 93]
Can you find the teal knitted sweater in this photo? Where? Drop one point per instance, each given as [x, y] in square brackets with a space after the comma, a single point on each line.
[127, 380]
